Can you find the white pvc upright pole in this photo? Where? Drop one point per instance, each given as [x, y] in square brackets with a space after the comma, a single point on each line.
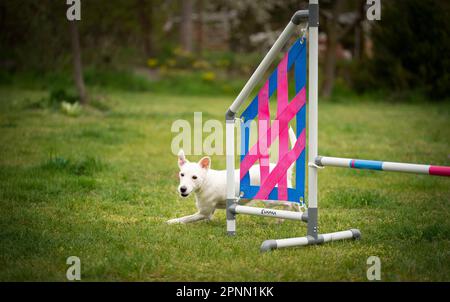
[231, 193]
[313, 117]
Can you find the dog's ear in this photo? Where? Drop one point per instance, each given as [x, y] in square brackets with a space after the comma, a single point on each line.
[205, 162]
[181, 158]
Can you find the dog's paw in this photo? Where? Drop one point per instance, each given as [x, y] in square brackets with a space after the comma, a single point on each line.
[173, 221]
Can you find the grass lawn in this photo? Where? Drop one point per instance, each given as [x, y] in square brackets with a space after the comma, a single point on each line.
[100, 186]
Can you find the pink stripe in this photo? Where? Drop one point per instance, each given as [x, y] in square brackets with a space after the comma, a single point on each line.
[282, 102]
[281, 168]
[289, 112]
[263, 128]
[439, 170]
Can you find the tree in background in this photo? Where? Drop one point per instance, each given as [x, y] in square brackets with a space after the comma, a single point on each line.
[186, 27]
[330, 55]
[201, 21]
[145, 14]
[77, 65]
[412, 47]
[331, 12]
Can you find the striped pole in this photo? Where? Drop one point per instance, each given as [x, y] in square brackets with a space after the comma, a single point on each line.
[382, 166]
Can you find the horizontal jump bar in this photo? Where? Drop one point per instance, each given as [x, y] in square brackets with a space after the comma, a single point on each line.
[237, 209]
[382, 166]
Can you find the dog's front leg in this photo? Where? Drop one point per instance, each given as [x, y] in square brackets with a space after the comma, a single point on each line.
[188, 219]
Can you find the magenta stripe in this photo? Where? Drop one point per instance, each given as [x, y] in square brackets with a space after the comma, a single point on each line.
[281, 168]
[282, 103]
[294, 106]
[439, 170]
[263, 128]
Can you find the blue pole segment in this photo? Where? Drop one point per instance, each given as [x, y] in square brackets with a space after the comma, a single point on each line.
[366, 164]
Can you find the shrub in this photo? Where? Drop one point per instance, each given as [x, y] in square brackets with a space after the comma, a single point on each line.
[412, 47]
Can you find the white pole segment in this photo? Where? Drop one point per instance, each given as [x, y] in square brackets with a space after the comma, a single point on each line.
[269, 212]
[313, 114]
[335, 162]
[231, 193]
[337, 236]
[288, 242]
[408, 168]
[263, 66]
[231, 226]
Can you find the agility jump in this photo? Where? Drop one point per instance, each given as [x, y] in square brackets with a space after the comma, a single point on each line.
[273, 183]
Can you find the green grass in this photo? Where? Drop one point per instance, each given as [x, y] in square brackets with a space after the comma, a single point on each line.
[172, 81]
[101, 186]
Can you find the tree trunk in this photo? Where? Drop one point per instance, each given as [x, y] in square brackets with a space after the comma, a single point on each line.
[359, 33]
[362, 32]
[330, 55]
[145, 11]
[201, 8]
[186, 25]
[77, 66]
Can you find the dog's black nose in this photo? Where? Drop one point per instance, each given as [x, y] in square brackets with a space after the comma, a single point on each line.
[183, 189]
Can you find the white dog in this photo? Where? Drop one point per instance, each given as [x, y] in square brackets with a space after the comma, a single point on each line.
[209, 186]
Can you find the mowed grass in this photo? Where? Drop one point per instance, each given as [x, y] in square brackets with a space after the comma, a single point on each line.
[101, 186]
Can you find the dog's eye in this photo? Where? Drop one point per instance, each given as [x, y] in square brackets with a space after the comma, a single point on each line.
[194, 177]
[182, 174]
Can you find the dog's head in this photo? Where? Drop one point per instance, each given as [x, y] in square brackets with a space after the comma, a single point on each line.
[191, 175]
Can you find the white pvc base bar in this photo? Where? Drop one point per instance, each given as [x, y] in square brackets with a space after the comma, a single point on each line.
[269, 213]
[307, 240]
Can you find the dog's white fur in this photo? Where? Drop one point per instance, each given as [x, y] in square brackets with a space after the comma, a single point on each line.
[209, 186]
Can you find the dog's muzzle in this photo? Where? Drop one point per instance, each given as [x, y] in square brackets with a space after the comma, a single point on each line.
[183, 190]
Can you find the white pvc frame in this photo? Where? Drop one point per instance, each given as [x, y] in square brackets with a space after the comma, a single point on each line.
[311, 216]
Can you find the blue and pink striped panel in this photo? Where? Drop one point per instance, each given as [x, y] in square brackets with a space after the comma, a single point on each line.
[274, 187]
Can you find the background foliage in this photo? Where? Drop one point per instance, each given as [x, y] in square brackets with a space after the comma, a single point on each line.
[410, 45]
